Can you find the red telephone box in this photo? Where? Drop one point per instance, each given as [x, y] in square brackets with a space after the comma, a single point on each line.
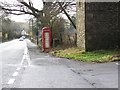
[46, 39]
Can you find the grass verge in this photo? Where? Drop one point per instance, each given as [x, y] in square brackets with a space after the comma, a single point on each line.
[94, 56]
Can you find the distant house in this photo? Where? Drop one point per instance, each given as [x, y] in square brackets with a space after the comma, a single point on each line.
[97, 25]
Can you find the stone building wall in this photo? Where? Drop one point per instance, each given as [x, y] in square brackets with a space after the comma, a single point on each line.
[101, 26]
[119, 24]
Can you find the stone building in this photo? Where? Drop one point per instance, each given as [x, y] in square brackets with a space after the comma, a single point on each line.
[97, 25]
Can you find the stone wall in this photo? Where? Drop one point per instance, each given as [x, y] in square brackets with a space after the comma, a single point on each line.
[119, 24]
[101, 25]
[99, 28]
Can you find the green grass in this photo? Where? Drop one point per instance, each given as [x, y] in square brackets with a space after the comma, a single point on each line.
[95, 56]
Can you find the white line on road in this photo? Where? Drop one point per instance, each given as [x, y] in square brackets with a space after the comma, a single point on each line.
[18, 68]
[117, 63]
[11, 81]
[26, 56]
[15, 74]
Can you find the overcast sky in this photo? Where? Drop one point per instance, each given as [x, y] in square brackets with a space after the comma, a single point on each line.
[39, 5]
[22, 18]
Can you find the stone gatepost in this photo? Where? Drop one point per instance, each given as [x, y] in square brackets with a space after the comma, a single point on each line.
[80, 24]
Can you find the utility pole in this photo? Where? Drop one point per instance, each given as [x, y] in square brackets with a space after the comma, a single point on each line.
[37, 33]
[31, 27]
[1, 29]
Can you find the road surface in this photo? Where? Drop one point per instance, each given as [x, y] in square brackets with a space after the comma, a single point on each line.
[24, 66]
[11, 54]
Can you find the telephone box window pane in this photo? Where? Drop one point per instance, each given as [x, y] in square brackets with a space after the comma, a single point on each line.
[47, 43]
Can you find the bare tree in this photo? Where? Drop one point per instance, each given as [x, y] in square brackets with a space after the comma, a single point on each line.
[20, 8]
[51, 9]
[46, 17]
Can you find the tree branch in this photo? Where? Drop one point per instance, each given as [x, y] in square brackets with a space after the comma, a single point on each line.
[30, 7]
[22, 7]
[9, 11]
[67, 14]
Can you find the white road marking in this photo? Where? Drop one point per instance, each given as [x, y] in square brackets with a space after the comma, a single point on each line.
[25, 51]
[26, 56]
[25, 66]
[11, 81]
[23, 59]
[117, 63]
[15, 74]
[18, 68]
[47, 56]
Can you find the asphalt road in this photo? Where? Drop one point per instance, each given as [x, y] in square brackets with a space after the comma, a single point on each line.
[27, 67]
[11, 54]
